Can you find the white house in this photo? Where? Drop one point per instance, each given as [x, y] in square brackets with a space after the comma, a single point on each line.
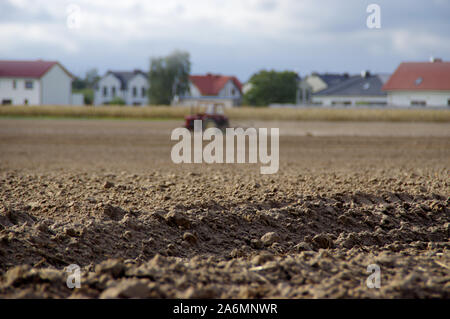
[212, 88]
[420, 84]
[317, 82]
[132, 87]
[364, 89]
[35, 83]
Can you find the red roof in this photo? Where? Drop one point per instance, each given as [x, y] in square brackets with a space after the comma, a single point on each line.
[433, 76]
[211, 84]
[26, 69]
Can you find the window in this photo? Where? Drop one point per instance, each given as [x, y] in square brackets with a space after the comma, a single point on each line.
[29, 85]
[134, 91]
[6, 102]
[113, 90]
[25, 102]
[143, 91]
[419, 80]
[14, 84]
[233, 91]
[448, 102]
[418, 103]
[105, 91]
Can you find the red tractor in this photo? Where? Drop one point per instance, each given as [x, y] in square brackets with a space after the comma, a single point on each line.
[213, 117]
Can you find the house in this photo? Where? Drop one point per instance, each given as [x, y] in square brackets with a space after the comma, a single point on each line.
[131, 86]
[35, 83]
[317, 82]
[214, 88]
[420, 84]
[364, 89]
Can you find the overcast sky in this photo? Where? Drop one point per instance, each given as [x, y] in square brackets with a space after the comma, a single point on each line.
[232, 37]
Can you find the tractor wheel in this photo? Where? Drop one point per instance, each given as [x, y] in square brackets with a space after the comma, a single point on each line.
[209, 124]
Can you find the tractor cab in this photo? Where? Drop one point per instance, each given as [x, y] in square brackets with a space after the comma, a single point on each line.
[211, 115]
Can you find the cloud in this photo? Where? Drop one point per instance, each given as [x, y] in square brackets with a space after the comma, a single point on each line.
[231, 37]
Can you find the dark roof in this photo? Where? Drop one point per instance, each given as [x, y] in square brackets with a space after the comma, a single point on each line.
[27, 69]
[419, 76]
[332, 79]
[357, 85]
[211, 84]
[125, 76]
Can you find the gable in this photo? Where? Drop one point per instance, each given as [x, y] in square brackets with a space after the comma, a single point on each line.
[211, 85]
[418, 76]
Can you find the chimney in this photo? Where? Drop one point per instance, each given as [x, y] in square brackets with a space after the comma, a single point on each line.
[434, 60]
[365, 73]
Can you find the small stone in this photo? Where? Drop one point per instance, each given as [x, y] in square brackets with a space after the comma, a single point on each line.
[177, 219]
[269, 238]
[127, 235]
[114, 267]
[190, 238]
[108, 184]
[115, 213]
[323, 241]
[127, 288]
[42, 227]
[70, 232]
[302, 247]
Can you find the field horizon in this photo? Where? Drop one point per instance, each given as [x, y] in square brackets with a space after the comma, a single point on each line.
[154, 112]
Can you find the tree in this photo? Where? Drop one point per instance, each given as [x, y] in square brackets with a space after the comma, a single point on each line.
[91, 77]
[272, 87]
[169, 76]
[117, 101]
[86, 86]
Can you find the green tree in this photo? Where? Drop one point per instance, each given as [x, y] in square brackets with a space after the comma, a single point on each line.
[78, 84]
[272, 87]
[86, 86]
[117, 101]
[91, 77]
[169, 76]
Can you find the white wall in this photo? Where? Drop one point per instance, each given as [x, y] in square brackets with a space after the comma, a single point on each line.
[328, 100]
[109, 81]
[56, 87]
[20, 93]
[432, 98]
[77, 99]
[227, 90]
[139, 81]
[194, 91]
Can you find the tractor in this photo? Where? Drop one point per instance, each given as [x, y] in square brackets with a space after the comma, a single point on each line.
[213, 116]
